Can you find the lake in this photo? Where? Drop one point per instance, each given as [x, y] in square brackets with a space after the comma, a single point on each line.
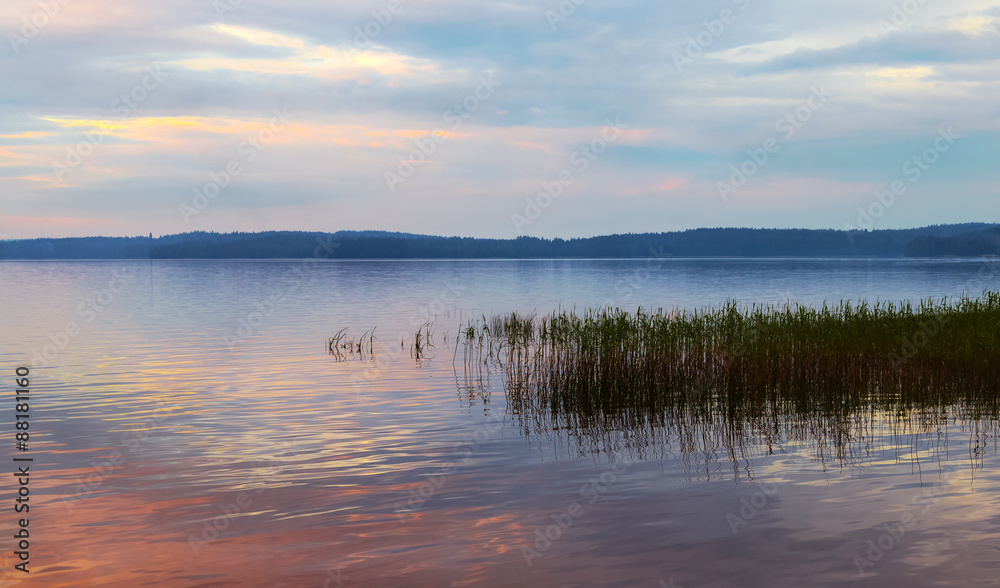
[189, 427]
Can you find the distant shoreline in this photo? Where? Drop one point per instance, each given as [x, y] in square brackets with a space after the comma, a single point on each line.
[968, 240]
[499, 259]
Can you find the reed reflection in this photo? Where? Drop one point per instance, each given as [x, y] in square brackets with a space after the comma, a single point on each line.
[738, 384]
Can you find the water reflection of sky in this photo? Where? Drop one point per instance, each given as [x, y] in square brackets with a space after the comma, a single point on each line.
[149, 425]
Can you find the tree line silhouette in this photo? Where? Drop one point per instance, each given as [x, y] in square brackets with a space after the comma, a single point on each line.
[969, 239]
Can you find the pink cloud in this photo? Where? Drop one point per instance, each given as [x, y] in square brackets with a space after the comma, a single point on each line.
[665, 186]
[669, 185]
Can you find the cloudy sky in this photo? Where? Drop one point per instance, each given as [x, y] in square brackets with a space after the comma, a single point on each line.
[495, 118]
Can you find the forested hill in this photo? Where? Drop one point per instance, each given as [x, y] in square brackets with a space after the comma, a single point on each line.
[964, 239]
[985, 242]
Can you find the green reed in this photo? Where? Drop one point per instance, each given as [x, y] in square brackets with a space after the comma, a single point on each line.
[734, 382]
[341, 343]
[755, 366]
[885, 348]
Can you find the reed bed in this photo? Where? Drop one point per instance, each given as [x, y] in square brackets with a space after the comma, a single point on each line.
[736, 382]
[853, 350]
[720, 377]
[341, 345]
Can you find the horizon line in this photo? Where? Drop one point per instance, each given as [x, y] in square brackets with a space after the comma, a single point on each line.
[388, 232]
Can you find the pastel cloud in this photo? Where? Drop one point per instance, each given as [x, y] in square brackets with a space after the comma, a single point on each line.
[501, 101]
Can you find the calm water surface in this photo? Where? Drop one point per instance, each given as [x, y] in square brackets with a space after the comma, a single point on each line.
[193, 431]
